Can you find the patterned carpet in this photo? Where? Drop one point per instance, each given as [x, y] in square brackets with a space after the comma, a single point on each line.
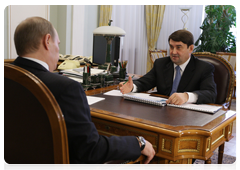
[228, 163]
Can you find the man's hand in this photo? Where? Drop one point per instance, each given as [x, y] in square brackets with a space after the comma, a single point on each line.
[149, 152]
[177, 98]
[127, 87]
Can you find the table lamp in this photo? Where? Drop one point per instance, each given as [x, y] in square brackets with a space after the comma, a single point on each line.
[109, 32]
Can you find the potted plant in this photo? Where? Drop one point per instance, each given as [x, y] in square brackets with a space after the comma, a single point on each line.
[216, 35]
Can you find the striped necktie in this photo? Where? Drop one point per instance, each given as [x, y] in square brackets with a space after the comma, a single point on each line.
[176, 80]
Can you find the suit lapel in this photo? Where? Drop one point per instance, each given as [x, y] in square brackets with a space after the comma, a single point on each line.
[187, 75]
[168, 76]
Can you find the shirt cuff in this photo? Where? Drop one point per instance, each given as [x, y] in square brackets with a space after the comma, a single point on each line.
[134, 88]
[192, 97]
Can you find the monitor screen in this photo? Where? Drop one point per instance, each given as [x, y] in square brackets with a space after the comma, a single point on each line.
[100, 49]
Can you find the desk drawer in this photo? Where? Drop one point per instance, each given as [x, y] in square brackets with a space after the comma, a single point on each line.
[108, 128]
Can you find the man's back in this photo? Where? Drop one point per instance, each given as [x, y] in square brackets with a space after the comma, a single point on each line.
[85, 144]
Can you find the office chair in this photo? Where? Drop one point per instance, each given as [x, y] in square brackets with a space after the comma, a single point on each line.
[34, 126]
[224, 78]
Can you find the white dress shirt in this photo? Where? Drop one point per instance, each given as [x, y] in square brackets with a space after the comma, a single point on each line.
[39, 62]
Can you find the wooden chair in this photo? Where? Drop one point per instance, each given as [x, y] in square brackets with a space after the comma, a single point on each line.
[155, 54]
[34, 126]
[224, 78]
[231, 58]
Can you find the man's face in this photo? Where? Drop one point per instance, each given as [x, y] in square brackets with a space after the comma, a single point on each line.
[179, 52]
[54, 52]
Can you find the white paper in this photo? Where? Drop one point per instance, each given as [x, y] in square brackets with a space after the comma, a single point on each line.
[79, 71]
[113, 93]
[76, 79]
[91, 100]
[141, 95]
[199, 107]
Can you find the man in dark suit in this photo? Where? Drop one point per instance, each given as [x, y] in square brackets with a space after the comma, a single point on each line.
[37, 44]
[195, 77]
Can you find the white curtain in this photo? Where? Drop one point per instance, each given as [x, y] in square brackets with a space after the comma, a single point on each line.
[133, 48]
[172, 22]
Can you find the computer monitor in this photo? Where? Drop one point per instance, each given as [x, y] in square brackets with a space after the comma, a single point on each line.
[100, 49]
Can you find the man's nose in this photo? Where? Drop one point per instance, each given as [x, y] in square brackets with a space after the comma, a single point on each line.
[174, 51]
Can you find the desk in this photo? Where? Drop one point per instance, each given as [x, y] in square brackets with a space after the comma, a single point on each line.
[173, 141]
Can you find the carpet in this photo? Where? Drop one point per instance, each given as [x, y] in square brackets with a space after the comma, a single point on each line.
[228, 163]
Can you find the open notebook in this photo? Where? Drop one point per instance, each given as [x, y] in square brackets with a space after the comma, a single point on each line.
[146, 98]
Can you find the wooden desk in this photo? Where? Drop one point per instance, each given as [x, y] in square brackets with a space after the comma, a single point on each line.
[173, 141]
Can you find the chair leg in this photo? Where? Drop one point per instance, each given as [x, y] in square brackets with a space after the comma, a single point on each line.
[207, 165]
[220, 153]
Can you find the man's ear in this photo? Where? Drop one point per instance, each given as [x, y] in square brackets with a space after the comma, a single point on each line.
[46, 41]
[191, 48]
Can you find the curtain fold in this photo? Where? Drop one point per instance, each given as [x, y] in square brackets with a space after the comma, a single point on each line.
[105, 14]
[133, 47]
[154, 18]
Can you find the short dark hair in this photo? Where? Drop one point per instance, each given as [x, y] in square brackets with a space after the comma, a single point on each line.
[28, 34]
[182, 35]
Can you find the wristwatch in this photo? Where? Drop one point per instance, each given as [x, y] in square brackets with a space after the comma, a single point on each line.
[142, 141]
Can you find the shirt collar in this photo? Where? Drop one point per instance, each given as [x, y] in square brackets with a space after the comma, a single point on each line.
[45, 65]
[184, 65]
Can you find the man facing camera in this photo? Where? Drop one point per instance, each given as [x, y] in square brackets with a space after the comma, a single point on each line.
[37, 44]
[181, 76]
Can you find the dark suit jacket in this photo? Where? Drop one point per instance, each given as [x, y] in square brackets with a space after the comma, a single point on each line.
[197, 78]
[85, 144]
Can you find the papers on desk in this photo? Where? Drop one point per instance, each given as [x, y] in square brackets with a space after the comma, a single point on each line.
[91, 99]
[79, 72]
[113, 93]
[159, 101]
[145, 98]
[198, 107]
[80, 80]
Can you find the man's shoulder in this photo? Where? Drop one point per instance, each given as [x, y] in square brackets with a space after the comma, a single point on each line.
[203, 66]
[163, 60]
[49, 76]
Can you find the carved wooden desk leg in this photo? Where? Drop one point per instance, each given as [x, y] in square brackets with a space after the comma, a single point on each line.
[220, 153]
[207, 165]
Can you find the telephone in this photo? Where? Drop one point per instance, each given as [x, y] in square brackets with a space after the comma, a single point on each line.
[71, 61]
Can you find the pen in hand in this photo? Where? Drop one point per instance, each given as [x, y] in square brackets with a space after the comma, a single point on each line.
[127, 80]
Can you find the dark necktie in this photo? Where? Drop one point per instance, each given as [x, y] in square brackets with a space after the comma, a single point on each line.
[176, 80]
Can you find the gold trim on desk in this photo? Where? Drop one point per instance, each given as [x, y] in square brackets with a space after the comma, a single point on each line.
[208, 144]
[230, 128]
[220, 137]
[189, 150]
[163, 145]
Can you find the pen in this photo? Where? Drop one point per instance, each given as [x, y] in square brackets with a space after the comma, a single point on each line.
[127, 80]
[120, 64]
